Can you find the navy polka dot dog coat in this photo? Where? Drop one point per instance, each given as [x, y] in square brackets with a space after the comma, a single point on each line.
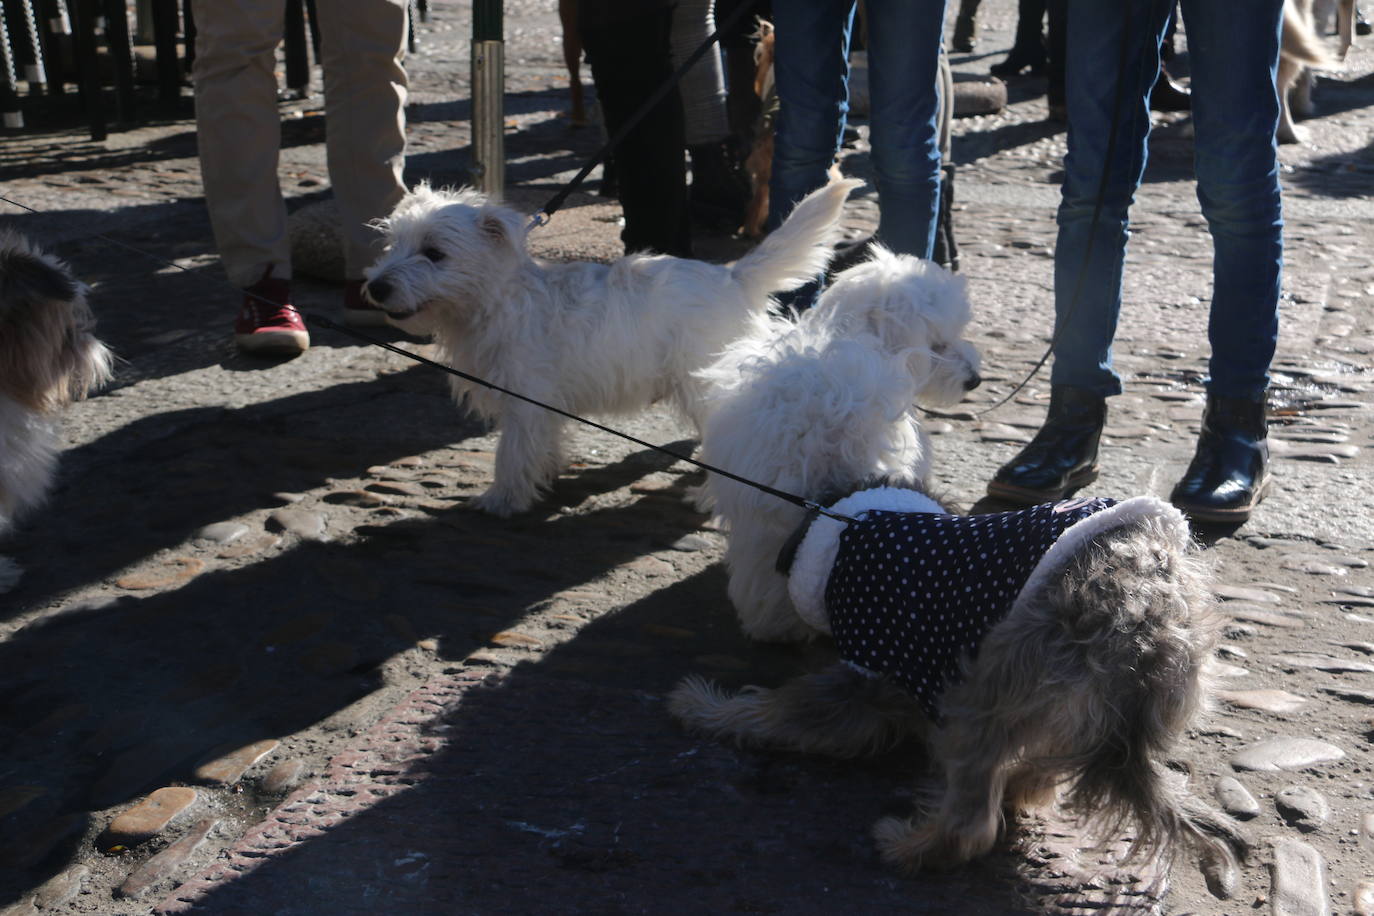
[907, 590]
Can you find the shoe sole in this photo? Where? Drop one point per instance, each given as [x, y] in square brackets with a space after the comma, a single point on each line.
[1028, 497]
[1223, 516]
[274, 343]
[365, 318]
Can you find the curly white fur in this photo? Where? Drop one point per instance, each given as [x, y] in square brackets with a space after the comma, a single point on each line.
[587, 338]
[48, 358]
[824, 403]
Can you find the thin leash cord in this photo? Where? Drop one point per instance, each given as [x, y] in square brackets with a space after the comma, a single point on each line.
[324, 322]
[1117, 104]
[542, 217]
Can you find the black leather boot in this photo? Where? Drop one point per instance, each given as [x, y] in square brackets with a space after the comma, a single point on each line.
[1063, 455]
[1230, 471]
[965, 27]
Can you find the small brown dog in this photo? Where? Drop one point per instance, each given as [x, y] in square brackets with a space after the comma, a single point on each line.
[1082, 672]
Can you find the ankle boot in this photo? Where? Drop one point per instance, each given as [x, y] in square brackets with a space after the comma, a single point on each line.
[1229, 473]
[965, 27]
[1063, 455]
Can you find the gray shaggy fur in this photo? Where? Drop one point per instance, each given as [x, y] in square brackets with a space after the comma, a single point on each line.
[1080, 692]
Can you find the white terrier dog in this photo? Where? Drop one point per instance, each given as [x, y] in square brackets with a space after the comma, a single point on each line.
[586, 338]
[819, 405]
[48, 358]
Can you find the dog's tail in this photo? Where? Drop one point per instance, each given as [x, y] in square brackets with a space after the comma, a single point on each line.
[798, 250]
[1147, 627]
[1301, 43]
[837, 712]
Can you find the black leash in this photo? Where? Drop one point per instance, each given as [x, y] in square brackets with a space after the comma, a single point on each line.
[329, 323]
[557, 201]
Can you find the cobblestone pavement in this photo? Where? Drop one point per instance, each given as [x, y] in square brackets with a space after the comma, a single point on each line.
[263, 660]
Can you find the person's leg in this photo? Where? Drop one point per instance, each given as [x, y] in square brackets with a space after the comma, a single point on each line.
[1028, 48]
[238, 133]
[629, 59]
[1107, 82]
[1235, 114]
[811, 71]
[362, 43]
[904, 41]
[1108, 76]
[1235, 110]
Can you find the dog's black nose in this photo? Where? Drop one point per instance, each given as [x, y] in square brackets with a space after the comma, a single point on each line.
[973, 381]
[377, 290]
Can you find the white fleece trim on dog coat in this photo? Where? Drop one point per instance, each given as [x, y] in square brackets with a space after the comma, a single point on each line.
[912, 597]
[816, 555]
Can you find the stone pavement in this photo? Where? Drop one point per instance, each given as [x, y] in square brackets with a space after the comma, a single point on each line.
[263, 660]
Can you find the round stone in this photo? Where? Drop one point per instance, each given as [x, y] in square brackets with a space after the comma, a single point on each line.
[1235, 799]
[1302, 807]
[1285, 754]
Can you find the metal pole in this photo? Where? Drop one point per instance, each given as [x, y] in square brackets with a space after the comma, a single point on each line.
[488, 94]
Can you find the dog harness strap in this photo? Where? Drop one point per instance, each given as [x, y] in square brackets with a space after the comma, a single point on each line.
[911, 593]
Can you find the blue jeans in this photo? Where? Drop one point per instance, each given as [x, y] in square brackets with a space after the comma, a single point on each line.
[811, 68]
[1233, 55]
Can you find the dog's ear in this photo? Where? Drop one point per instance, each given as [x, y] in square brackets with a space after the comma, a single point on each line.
[27, 278]
[502, 227]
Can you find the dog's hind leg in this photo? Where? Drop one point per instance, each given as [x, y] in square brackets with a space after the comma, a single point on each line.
[837, 712]
[527, 459]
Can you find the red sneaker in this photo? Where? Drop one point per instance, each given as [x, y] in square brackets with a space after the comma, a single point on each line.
[358, 311]
[267, 324]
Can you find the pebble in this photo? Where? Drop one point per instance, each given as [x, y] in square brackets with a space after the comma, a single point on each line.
[1285, 754]
[303, 523]
[690, 543]
[61, 888]
[176, 572]
[148, 818]
[1302, 807]
[1364, 899]
[1235, 799]
[1305, 562]
[165, 863]
[283, 776]
[1275, 701]
[1323, 662]
[397, 488]
[1358, 591]
[1351, 695]
[227, 769]
[223, 532]
[1001, 432]
[1240, 593]
[1298, 882]
[513, 640]
[1267, 618]
[360, 498]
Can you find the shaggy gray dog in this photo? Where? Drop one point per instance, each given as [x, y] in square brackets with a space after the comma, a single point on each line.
[1080, 680]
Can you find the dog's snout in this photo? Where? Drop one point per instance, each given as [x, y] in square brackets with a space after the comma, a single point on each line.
[377, 290]
[973, 381]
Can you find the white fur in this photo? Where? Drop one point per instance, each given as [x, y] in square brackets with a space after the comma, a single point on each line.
[824, 404]
[48, 358]
[587, 338]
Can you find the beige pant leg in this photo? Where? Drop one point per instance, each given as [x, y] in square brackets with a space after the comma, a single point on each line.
[238, 131]
[362, 43]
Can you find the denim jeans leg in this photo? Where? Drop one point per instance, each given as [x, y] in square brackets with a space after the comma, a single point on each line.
[1233, 62]
[1114, 45]
[811, 70]
[904, 38]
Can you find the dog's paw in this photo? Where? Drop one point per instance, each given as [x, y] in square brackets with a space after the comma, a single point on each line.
[10, 572]
[911, 847]
[501, 502]
[699, 498]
